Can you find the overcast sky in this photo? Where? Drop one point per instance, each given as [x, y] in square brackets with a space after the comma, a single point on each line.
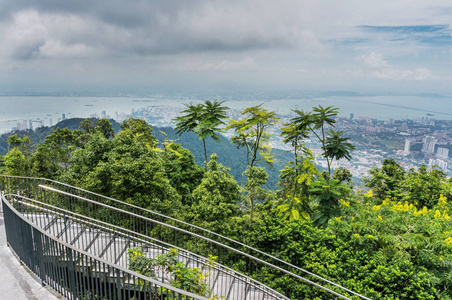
[358, 45]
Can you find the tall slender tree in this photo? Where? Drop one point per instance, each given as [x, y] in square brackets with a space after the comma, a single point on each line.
[203, 119]
[252, 133]
[297, 174]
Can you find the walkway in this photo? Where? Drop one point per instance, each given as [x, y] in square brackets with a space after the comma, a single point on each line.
[15, 281]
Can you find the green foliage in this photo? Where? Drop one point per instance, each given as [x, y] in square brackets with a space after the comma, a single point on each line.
[251, 132]
[44, 163]
[204, 119]
[296, 179]
[139, 129]
[105, 127]
[257, 176]
[334, 146]
[423, 187]
[175, 272]
[338, 255]
[216, 198]
[401, 240]
[328, 194]
[16, 164]
[385, 181]
[61, 141]
[133, 173]
[343, 175]
[182, 171]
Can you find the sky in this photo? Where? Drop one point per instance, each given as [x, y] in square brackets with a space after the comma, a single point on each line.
[150, 46]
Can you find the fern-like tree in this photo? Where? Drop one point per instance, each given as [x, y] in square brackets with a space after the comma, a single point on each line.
[297, 174]
[251, 132]
[334, 147]
[203, 119]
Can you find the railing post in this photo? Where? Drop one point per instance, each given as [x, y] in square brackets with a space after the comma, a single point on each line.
[40, 255]
[118, 284]
[71, 272]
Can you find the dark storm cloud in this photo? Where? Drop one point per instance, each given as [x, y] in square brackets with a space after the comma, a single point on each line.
[145, 27]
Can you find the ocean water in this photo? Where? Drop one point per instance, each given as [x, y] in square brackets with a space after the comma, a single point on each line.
[17, 109]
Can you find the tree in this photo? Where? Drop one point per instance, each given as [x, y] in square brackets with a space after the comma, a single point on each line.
[423, 187]
[16, 164]
[44, 163]
[139, 129]
[105, 127]
[216, 198]
[14, 141]
[182, 171]
[204, 120]
[385, 181]
[343, 175]
[334, 145]
[61, 140]
[297, 175]
[252, 133]
[132, 172]
[328, 193]
[337, 147]
[87, 126]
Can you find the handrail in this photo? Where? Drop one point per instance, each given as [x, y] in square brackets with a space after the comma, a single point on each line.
[79, 218]
[141, 278]
[209, 240]
[201, 233]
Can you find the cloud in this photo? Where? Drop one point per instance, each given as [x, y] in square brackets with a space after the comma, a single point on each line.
[375, 65]
[372, 60]
[283, 42]
[149, 28]
[221, 65]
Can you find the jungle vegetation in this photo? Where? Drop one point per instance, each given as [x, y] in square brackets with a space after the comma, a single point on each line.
[391, 239]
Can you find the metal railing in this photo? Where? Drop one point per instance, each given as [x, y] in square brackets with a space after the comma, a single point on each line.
[74, 273]
[166, 231]
[112, 242]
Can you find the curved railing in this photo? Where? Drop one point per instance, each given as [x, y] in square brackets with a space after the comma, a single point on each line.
[153, 226]
[74, 273]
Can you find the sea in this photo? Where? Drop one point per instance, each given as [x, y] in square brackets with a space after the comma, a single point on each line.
[49, 110]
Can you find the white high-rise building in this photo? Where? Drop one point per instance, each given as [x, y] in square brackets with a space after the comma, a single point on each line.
[406, 152]
[442, 153]
[441, 164]
[429, 144]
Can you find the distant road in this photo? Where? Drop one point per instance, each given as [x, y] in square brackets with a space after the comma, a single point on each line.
[400, 106]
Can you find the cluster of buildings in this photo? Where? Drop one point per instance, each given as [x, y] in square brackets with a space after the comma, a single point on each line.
[28, 124]
[412, 142]
[436, 158]
[32, 124]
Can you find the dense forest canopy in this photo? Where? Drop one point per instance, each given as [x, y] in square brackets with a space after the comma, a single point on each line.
[389, 240]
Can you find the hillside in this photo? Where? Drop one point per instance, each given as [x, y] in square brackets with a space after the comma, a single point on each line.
[228, 154]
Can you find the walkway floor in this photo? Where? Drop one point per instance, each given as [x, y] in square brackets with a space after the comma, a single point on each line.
[15, 281]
